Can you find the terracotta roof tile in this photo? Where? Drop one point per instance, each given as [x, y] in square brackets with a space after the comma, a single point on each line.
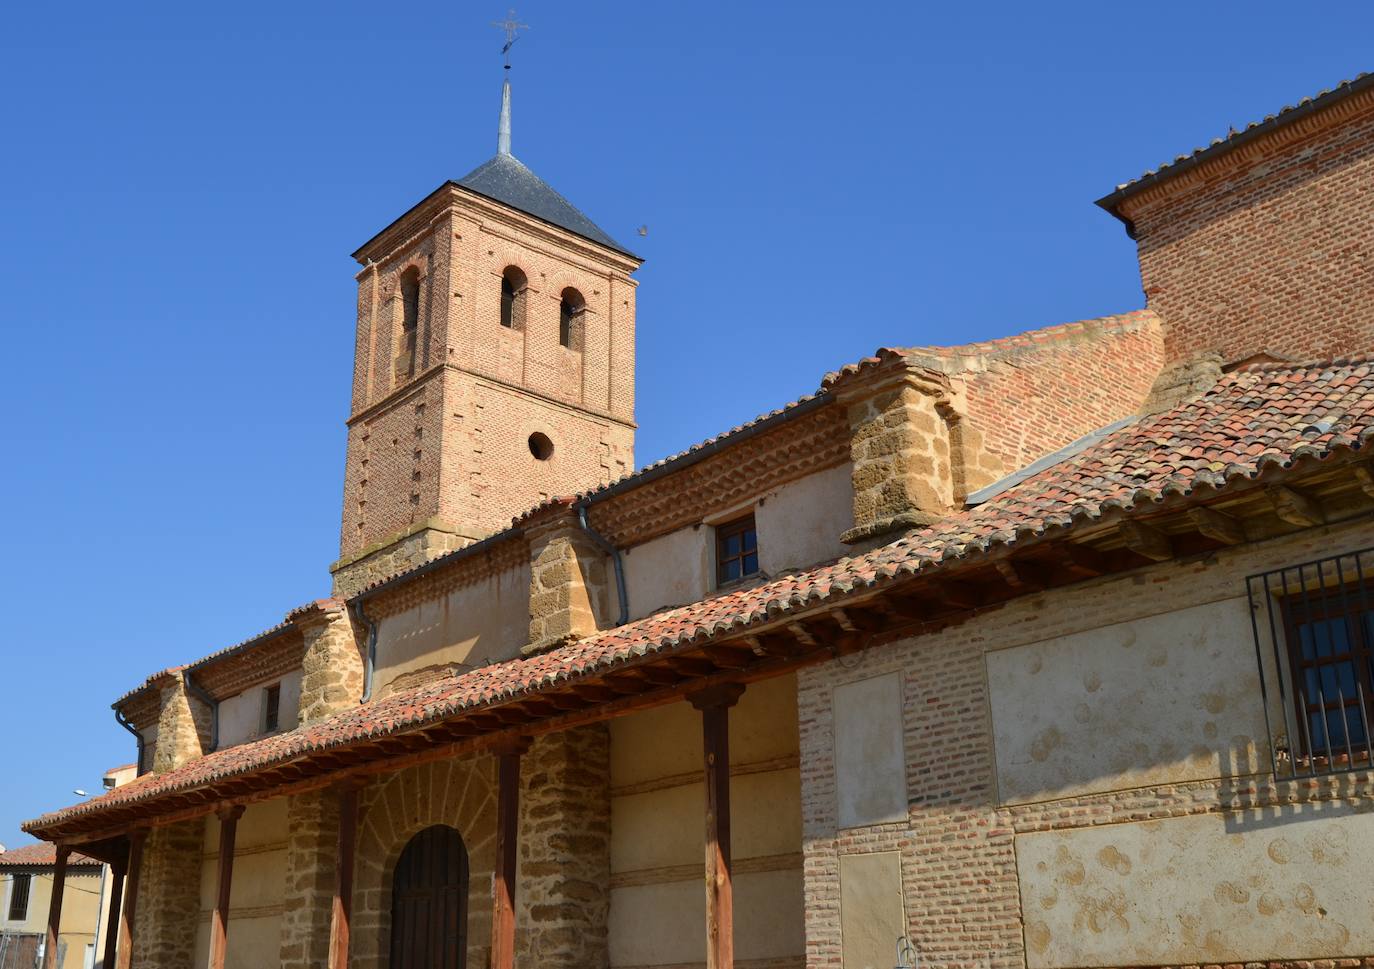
[1267, 416]
[40, 855]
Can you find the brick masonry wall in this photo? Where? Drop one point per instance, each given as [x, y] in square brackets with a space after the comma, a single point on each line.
[447, 441]
[169, 897]
[957, 845]
[1269, 246]
[1035, 399]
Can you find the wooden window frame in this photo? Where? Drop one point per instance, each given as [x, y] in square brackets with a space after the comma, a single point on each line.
[742, 526]
[1352, 602]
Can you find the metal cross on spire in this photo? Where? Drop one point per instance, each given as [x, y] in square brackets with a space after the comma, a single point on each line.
[512, 27]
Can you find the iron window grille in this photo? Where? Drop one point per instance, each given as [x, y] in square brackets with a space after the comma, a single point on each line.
[1317, 620]
[19, 896]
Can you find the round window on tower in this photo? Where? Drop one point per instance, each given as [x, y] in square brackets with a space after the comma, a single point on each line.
[540, 446]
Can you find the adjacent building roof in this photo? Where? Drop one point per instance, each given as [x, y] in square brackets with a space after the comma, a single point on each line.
[41, 855]
[507, 180]
[1256, 129]
[1265, 417]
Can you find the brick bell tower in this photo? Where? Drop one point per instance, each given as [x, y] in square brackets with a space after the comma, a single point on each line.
[494, 367]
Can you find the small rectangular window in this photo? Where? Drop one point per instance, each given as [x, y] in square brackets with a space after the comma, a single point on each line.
[737, 550]
[19, 897]
[1330, 635]
[271, 708]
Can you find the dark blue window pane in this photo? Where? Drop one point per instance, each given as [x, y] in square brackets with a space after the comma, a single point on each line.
[732, 546]
[751, 541]
[732, 570]
[751, 563]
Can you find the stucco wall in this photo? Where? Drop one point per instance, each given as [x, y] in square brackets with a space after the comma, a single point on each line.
[485, 621]
[1205, 889]
[799, 524]
[670, 570]
[240, 717]
[1158, 700]
[255, 900]
[658, 906]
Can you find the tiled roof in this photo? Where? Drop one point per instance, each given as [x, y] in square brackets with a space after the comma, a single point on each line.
[1031, 339]
[40, 855]
[1234, 139]
[1253, 420]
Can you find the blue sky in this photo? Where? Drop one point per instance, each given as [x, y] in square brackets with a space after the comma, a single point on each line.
[181, 184]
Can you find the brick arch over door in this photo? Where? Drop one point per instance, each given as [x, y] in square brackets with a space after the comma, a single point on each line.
[460, 794]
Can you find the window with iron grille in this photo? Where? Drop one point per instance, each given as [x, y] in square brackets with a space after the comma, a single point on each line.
[19, 897]
[271, 708]
[1320, 618]
[737, 550]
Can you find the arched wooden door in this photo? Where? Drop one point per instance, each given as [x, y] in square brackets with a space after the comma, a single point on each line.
[429, 902]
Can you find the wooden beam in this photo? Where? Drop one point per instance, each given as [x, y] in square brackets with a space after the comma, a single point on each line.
[59, 881]
[1217, 526]
[958, 595]
[1365, 477]
[1294, 507]
[715, 735]
[219, 918]
[728, 657]
[112, 917]
[341, 916]
[1146, 540]
[507, 835]
[1017, 575]
[691, 666]
[1084, 559]
[125, 954]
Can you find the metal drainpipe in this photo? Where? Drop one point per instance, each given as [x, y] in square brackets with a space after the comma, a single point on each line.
[370, 664]
[195, 691]
[616, 563]
[124, 722]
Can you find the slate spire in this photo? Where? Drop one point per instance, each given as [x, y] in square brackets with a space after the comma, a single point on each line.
[503, 126]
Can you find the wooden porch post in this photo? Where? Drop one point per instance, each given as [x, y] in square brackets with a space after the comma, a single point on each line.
[341, 920]
[59, 881]
[507, 836]
[125, 953]
[107, 961]
[715, 705]
[219, 919]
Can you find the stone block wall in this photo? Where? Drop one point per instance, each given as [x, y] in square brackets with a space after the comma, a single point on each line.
[183, 725]
[567, 582]
[332, 668]
[308, 895]
[169, 897]
[965, 900]
[563, 897]
[900, 447]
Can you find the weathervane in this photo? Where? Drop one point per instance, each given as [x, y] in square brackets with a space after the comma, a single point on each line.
[512, 27]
